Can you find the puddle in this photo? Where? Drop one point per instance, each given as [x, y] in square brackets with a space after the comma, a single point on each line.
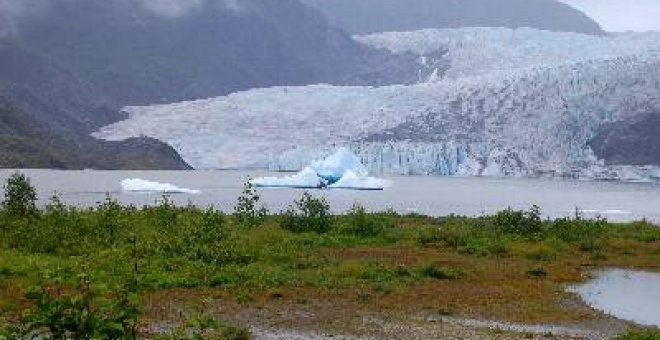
[625, 294]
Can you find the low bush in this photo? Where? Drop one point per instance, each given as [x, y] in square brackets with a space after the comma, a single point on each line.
[83, 315]
[587, 233]
[309, 214]
[640, 335]
[523, 223]
[358, 222]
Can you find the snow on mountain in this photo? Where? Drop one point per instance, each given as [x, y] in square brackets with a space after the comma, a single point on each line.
[473, 51]
[528, 110]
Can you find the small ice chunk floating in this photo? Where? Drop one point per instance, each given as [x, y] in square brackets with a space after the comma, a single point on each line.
[342, 170]
[144, 186]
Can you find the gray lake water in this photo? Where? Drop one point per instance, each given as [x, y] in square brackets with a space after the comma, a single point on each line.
[625, 294]
[429, 195]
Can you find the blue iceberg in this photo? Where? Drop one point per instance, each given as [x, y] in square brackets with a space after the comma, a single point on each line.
[341, 170]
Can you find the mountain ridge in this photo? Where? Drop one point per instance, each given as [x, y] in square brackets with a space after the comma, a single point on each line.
[68, 66]
[374, 16]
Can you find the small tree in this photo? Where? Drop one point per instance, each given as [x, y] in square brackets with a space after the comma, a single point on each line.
[20, 196]
[247, 212]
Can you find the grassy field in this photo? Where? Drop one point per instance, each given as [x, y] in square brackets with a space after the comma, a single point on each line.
[166, 271]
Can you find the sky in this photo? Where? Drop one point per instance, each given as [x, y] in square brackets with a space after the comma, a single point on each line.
[622, 15]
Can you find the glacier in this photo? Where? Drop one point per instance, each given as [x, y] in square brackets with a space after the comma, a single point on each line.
[517, 102]
[144, 186]
[473, 51]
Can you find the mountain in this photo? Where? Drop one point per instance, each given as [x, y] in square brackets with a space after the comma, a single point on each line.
[372, 16]
[47, 115]
[145, 51]
[633, 142]
[527, 111]
[67, 67]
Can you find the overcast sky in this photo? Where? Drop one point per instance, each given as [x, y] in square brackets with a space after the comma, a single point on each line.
[622, 15]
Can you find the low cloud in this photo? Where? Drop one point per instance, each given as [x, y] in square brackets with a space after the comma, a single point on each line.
[172, 8]
[11, 11]
[178, 8]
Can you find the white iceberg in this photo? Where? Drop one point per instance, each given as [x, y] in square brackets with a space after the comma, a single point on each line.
[351, 180]
[341, 170]
[307, 178]
[141, 185]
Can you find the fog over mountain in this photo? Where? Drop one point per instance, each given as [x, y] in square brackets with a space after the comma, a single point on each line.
[150, 51]
[372, 16]
[46, 114]
[70, 65]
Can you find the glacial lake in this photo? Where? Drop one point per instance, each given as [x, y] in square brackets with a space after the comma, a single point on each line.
[430, 195]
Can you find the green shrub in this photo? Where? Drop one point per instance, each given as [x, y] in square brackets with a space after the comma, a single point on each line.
[467, 236]
[20, 198]
[310, 214]
[228, 332]
[200, 236]
[640, 335]
[587, 233]
[524, 223]
[163, 214]
[111, 217]
[484, 246]
[8, 330]
[247, 211]
[454, 232]
[360, 223]
[83, 315]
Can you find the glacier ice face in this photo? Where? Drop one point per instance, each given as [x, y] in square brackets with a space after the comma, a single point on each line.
[530, 110]
[141, 185]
